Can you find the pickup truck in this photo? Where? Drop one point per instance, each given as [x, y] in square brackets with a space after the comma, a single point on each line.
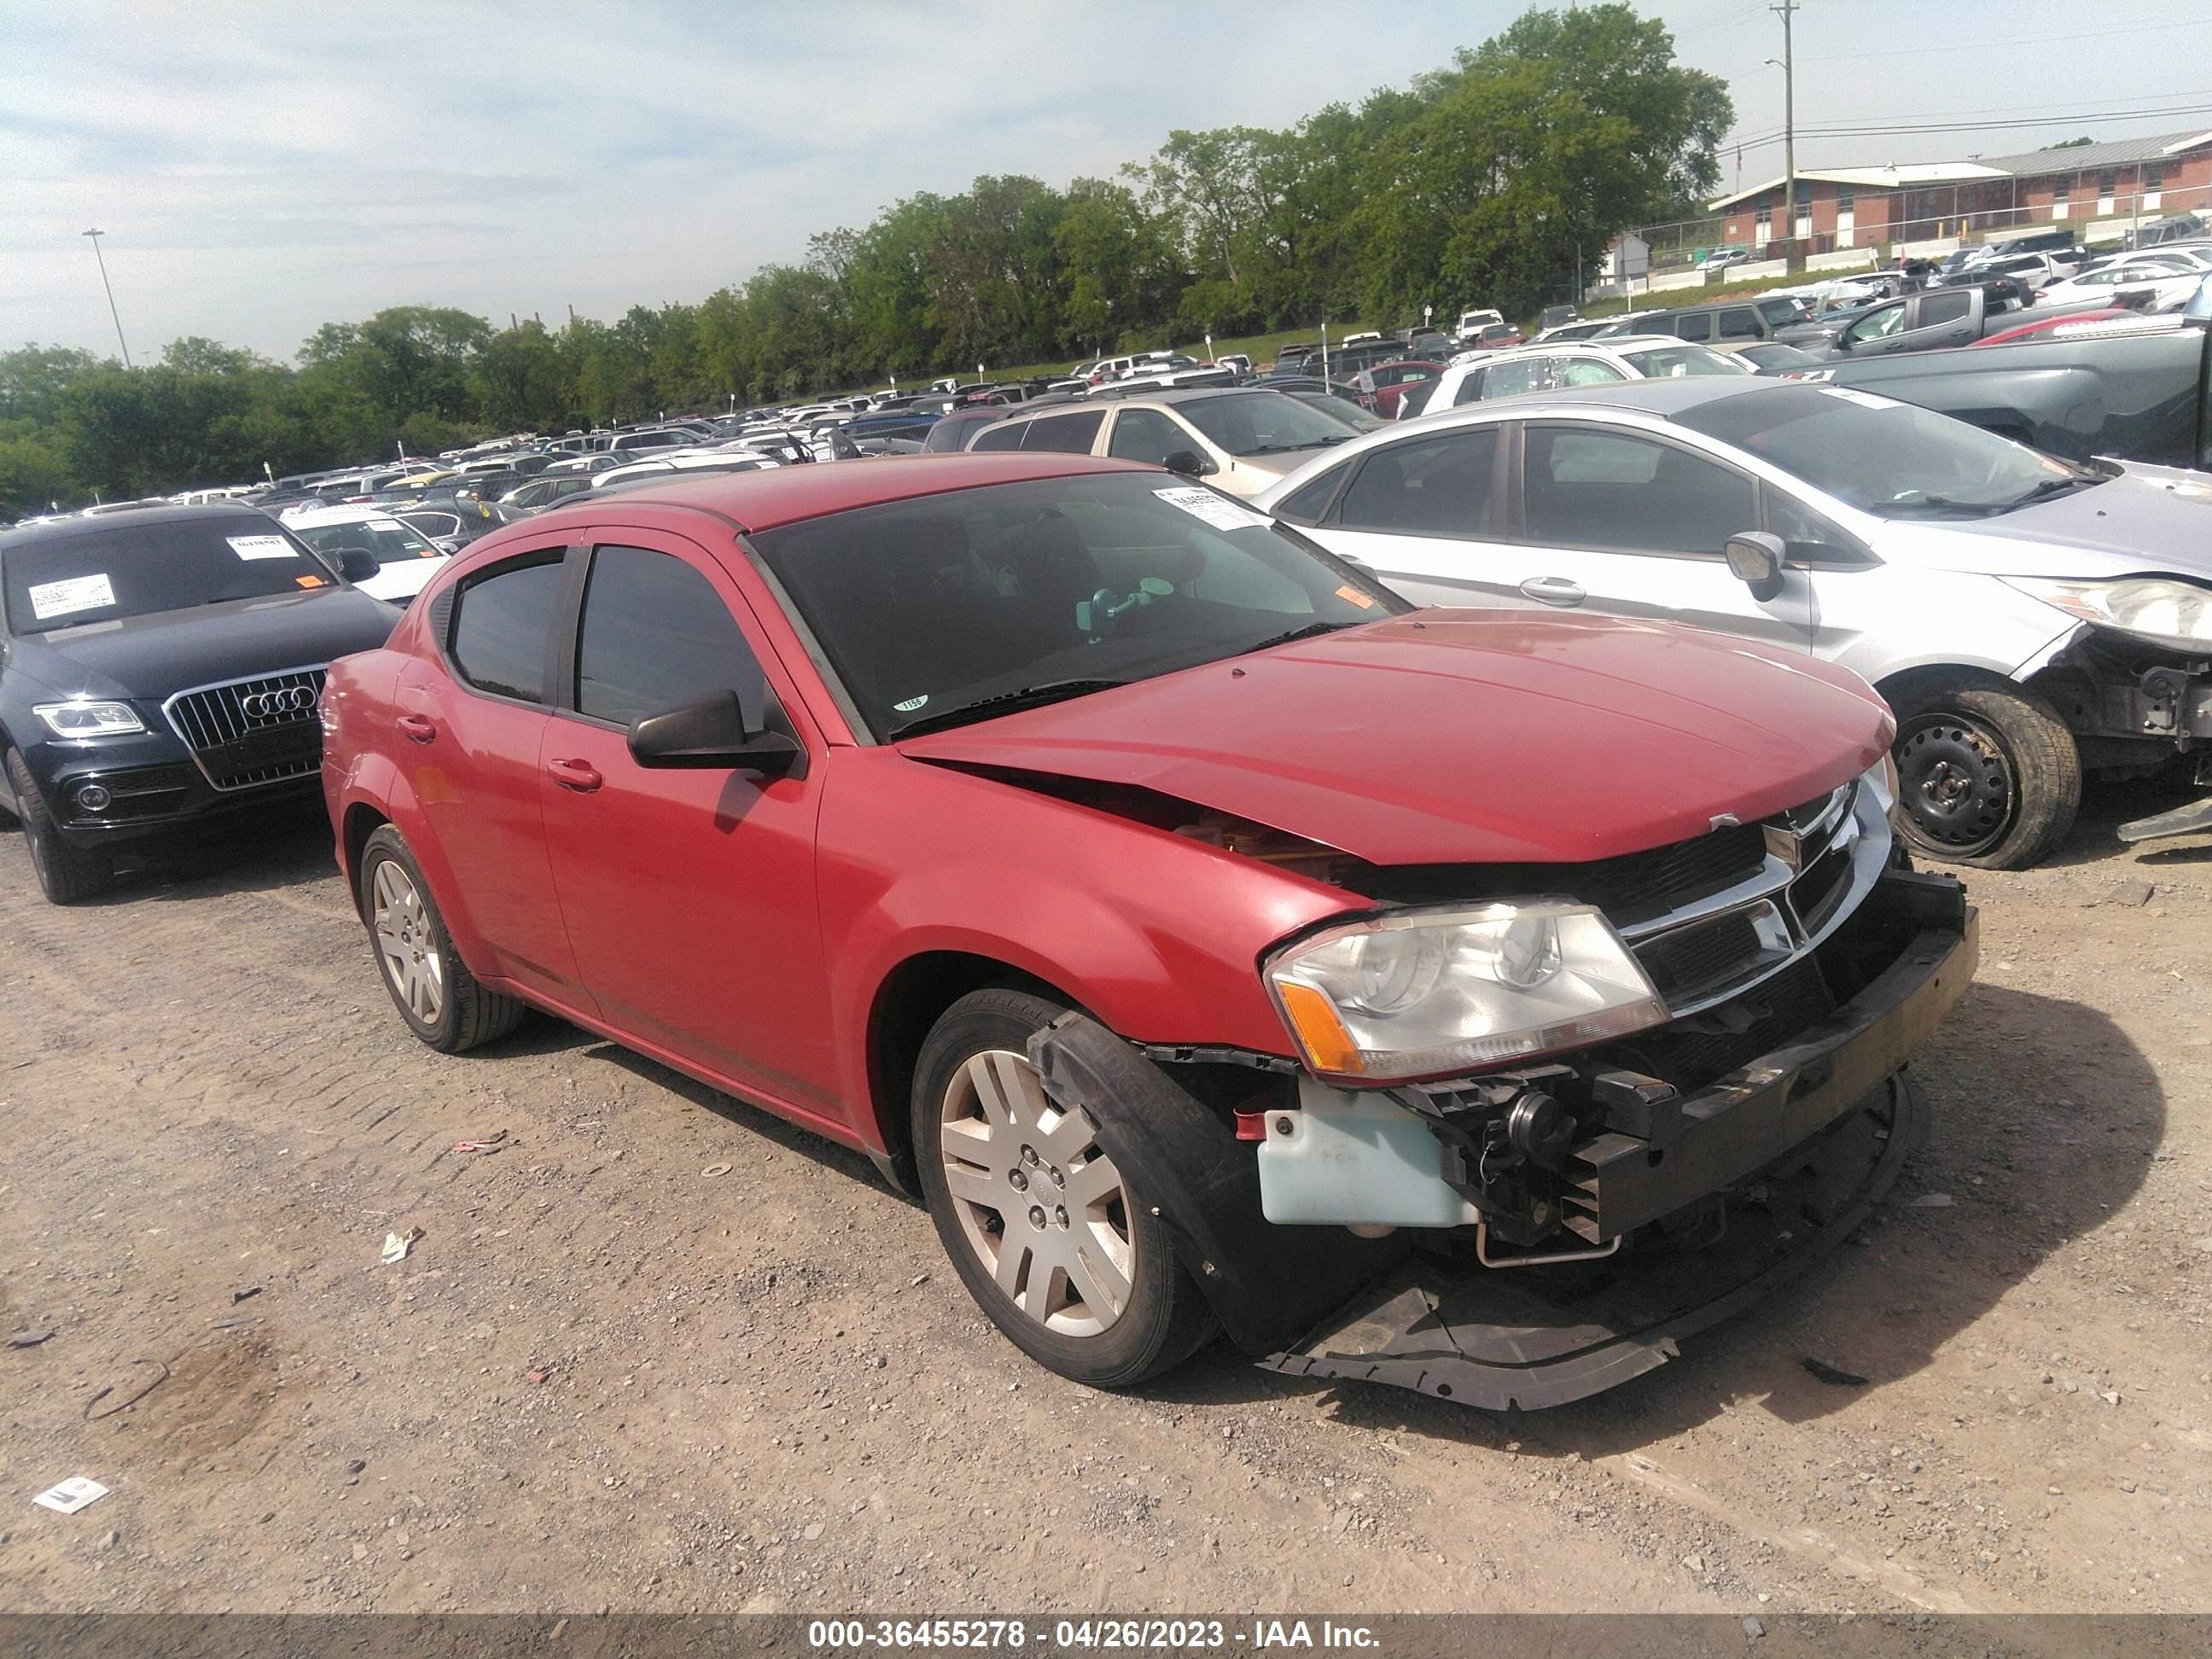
[1930, 319]
[2128, 397]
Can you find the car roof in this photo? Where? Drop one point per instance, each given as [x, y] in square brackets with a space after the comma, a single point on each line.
[1664, 398]
[354, 515]
[792, 495]
[136, 517]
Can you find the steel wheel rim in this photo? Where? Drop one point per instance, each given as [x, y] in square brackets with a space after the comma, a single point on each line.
[1955, 783]
[1039, 1201]
[406, 944]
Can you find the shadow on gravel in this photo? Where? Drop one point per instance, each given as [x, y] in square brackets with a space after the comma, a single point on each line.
[2105, 806]
[2046, 1117]
[286, 846]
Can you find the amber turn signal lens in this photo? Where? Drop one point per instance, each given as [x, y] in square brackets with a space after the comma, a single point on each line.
[1328, 1047]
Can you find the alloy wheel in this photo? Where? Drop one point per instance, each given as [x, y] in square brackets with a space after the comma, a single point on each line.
[1039, 1201]
[406, 944]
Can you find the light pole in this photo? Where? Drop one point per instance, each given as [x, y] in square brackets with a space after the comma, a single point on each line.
[1788, 65]
[105, 283]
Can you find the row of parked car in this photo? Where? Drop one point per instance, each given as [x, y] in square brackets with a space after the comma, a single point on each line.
[1247, 865]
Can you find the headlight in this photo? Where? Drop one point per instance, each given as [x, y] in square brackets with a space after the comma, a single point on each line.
[1430, 992]
[2155, 606]
[88, 719]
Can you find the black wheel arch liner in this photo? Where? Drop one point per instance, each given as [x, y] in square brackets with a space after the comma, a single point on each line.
[1267, 1285]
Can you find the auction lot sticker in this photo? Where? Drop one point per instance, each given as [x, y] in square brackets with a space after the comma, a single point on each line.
[72, 593]
[261, 547]
[1222, 514]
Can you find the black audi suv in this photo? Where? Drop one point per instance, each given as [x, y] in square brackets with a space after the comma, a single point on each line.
[159, 668]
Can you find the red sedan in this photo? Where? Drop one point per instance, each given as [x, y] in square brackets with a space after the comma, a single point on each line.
[1208, 939]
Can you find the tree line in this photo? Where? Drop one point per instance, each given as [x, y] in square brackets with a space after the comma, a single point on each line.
[1488, 182]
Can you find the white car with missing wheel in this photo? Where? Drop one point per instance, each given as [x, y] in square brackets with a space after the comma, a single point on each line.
[2029, 620]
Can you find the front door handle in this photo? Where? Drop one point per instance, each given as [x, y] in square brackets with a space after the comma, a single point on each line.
[580, 775]
[1553, 590]
[417, 728]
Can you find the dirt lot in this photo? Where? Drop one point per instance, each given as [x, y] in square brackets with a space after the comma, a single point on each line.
[606, 1378]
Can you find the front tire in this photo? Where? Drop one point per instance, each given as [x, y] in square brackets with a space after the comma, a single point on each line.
[432, 988]
[66, 873]
[1989, 775]
[1042, 1226]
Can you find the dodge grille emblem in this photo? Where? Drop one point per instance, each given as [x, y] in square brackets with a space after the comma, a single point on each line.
[275, 705]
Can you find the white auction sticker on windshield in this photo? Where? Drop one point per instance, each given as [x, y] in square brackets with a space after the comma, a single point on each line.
[1863, 399]
[262, 547]
[1217, 511]
[385, 524]
[74, 593]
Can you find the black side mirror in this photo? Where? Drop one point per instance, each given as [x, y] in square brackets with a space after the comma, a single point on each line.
[1189, 463]
[358, 564]
[712, 732]
[1755, 557]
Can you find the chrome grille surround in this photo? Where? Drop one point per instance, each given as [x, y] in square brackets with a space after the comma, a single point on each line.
[235, 750]
[1821, 859]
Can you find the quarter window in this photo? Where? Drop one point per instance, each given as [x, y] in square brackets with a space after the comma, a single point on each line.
[501, 622]
[1739, 323]
[1698, 327]
[1611, 490]
[657, 636]
[1437, 486]
[1304, 504]
[1008, 436]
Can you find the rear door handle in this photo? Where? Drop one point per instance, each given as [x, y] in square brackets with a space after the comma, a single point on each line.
[580, 775]
[417, 728]
[1553, 590]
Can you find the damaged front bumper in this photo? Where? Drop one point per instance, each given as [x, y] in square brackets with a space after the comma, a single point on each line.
[1709, 1202]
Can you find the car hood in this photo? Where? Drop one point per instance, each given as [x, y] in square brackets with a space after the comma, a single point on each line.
[153, 657]
[2149, 518]
[1453, 736]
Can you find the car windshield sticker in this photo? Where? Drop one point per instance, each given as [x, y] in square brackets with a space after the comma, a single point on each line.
[60, 598]
[308, 581]
[1220, 513]
[1352, 595]
[1863, 399]
[261, 547]
[385, 524]
[910, 704]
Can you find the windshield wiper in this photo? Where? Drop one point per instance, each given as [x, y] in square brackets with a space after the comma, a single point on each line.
[1306, 633]
[1945, 504]
[1311, 443]
[1003, 702]
[2050, 487]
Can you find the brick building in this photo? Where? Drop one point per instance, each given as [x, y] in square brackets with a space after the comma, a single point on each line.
[2101, 190]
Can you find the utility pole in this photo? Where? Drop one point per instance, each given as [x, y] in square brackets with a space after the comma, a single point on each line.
[105, 283]
[1785, 11]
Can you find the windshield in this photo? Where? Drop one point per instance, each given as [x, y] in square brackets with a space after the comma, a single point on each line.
[1883, 456]
[1669, 362]
[389, 540]
[134, 570]
[1342, 409]
[1262, 423]
[928, 608]
[1780, 313]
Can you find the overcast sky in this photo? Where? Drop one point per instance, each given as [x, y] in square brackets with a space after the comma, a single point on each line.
[262, 168]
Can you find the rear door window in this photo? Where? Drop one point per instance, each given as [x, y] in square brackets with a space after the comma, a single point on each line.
[1434, 486]
[1008, 436]
[1066, 434]
[1740, 323]
[1944, 306]
[502, 622]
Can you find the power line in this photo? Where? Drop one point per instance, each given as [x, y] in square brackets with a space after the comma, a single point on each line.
[2023, 40]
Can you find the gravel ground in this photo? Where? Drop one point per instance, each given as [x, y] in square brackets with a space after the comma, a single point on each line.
[606, 1378]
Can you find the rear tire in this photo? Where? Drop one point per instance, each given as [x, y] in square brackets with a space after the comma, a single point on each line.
[1989, 775]
[440, 999]
[66, 873]
[1045, 1232]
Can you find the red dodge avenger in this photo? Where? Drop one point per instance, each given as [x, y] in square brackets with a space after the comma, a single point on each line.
[1474, 1002]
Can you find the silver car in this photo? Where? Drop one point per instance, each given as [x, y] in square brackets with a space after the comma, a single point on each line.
[2029, 620]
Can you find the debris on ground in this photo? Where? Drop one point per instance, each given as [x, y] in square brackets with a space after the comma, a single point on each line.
[713, 1170]
[70, 1496]
[1827, 1373]
[538, 1374]
[396, 1245]
[495, 1141]
[29, 1339]
[161, 1376]
[237, 1323]
[246, 1295]
[1931, 1201]
[2132, 895]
